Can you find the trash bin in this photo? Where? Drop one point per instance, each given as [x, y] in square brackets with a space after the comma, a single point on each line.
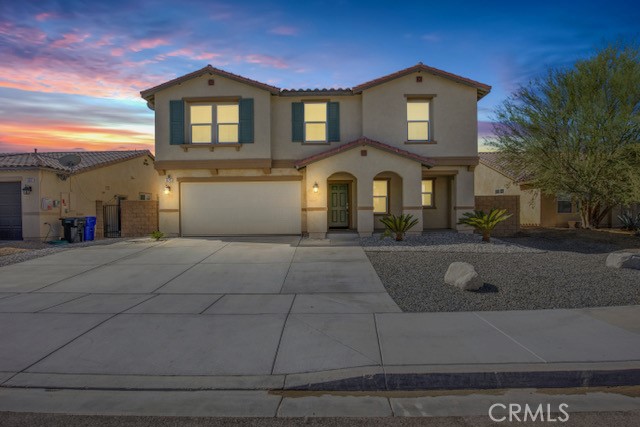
[73, 229]
[90, 228]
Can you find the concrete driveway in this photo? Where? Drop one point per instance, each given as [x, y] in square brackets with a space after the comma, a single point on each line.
[262, 313]
[245, 306]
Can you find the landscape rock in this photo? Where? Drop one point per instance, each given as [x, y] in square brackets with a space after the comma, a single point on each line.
[464, 276]
[623, 260]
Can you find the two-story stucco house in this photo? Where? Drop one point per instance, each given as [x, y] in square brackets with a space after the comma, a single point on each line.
[237, 156]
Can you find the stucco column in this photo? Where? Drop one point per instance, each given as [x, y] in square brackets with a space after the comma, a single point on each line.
[169, 206]
[365, 206]
[316, 202]
[412, 196]
[463, 197]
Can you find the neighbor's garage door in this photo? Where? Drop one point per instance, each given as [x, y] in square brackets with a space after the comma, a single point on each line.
[236, 208]
[10, 211]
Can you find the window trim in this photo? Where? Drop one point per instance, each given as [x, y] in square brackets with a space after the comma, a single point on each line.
[388, 184]
[433, 193]
[429, 100]
[214, 124]
[325, 141]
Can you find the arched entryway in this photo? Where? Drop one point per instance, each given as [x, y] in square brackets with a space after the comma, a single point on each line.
[387, 197]
[342, 201]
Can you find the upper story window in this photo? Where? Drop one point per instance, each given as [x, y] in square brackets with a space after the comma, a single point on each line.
[214, 123]
[211, 120]
[315, 122]
[418, 120]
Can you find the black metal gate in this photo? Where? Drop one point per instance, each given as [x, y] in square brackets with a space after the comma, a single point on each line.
[111, 220]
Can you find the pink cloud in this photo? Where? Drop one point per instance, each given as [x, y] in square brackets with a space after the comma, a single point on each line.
[266, 61]
[148, 44]
[284, 30]
[117, 51]
[189, 53]
[44, 16]
[69, 39]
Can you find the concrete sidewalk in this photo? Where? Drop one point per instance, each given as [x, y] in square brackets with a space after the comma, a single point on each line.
[267, 313]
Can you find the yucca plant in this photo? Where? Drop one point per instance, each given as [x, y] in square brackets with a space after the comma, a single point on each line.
[398, 225]
[484, 223]
[629, 222]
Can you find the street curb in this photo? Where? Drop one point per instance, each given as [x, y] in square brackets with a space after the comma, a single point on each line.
[478, 380]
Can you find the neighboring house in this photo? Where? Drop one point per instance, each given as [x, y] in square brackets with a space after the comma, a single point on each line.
[36, 189]
[237, 156]
[493, 177]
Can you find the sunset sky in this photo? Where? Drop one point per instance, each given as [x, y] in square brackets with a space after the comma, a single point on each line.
[71, 71]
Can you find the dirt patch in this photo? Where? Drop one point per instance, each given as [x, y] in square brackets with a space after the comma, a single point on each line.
[11, 251]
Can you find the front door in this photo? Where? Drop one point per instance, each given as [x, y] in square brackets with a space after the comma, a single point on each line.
[339, 205]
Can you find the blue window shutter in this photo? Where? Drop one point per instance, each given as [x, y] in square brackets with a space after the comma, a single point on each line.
[176, 122]
[245, 132]
[333, 121]
[297, 121]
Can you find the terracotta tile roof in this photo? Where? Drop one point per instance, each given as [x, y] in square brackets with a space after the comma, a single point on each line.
[88, 160]
[148, 93]
[482, 88]
[495, 162]
[364, 141]
[311, 92]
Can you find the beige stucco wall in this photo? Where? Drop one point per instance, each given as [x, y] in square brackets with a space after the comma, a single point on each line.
[365, 169]
[78, 193]
[549, 216]
[439, 216]
[488, 180]
[282, 146]
[199, 87]
[453, 115]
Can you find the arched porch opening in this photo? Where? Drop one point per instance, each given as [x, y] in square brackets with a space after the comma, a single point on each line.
[387, 197]
[342, 205]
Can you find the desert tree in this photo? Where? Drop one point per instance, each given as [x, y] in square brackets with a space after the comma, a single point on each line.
[577, 131]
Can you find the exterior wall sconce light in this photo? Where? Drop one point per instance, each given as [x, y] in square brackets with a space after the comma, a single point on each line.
[167, 189]
[26, 190]
[315, 187]
[168, 179]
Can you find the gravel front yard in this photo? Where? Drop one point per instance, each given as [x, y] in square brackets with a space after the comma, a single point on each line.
[13, 251]
[536, 272]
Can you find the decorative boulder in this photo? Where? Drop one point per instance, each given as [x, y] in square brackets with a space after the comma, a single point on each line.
[462, 275]
[623, 260]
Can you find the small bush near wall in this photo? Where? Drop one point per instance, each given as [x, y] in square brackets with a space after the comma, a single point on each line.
[138, 217]
[511, 203]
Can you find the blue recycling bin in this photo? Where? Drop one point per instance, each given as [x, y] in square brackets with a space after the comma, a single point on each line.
[90, 228]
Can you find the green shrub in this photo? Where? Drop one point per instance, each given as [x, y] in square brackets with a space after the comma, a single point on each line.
[157, 235]
[629, 222]
[398, 225]
[484, 223]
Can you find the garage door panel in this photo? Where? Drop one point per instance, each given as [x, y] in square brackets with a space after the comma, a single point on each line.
[10, 211]
[237, 208]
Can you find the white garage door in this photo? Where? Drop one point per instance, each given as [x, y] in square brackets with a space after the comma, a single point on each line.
[237, 208]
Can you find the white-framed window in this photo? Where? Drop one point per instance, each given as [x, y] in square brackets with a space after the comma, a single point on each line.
[211, 123]
[315, 122]
[565, 204]
[381, 196]
[428, 193]
[418, 120]
[499, 191]
[144, 196]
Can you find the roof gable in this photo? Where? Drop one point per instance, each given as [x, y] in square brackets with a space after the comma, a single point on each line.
[364, 142]
[482, 89]
[492, 160]
[149, 93]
